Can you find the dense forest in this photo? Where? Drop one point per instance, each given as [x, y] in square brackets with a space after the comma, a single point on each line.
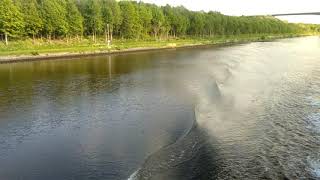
[54, 19]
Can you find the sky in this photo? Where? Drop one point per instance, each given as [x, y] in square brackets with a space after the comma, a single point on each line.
[252, 7]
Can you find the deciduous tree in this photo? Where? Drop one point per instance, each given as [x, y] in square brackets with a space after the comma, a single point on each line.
[74, 19]
[11, 20]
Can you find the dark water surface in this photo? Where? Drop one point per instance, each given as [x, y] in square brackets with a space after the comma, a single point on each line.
[247, 111]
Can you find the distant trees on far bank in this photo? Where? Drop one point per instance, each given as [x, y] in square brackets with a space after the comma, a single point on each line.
[126, 19]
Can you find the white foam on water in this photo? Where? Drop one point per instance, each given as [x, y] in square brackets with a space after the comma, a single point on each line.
[133, 176]
[314, 101]
[315, 120]
[315, 167]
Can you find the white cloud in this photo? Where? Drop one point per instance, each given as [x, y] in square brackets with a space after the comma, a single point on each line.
[252, 7]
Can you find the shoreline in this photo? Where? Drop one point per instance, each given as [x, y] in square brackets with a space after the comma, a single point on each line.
[62, 55]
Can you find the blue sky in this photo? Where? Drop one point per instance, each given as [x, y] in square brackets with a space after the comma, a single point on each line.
[252, 7]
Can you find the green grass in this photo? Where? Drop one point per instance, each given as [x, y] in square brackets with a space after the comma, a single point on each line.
[86, 45]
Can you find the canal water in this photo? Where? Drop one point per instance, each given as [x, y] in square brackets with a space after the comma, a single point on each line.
[246, 111]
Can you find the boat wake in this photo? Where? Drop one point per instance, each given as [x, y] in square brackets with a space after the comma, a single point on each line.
[191, 156]
[252, 120]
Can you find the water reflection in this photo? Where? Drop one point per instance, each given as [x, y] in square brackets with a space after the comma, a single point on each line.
[252, 110]
[90, 118]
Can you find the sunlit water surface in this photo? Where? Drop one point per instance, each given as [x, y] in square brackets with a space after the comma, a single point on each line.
[246, 111]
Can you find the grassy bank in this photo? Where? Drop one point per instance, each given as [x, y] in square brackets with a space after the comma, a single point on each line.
[36, 48]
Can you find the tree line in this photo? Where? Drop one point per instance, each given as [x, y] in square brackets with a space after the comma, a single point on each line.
[126, 19]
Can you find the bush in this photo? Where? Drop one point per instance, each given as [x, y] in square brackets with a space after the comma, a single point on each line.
[35, 53]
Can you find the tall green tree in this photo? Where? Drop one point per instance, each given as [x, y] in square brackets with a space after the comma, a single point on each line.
[145, 15]
[11, 20]
[128, 19]
[112, 17]
[74, 19]
[107, 18]
[157, 21]
[93, 18]
[31, 16]
[53, 13]
[129, 27]
[117, 16]
[197, 23]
